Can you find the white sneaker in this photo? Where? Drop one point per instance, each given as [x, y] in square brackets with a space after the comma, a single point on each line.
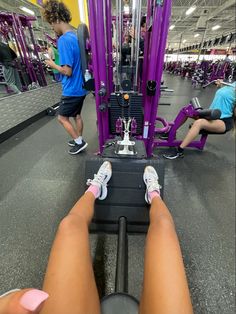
[101, 179]
[150, 178]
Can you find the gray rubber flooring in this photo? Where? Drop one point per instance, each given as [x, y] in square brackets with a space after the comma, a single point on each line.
[19, 108]
[40, 182]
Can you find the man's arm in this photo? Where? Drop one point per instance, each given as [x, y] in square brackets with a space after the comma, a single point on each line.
[65, 69]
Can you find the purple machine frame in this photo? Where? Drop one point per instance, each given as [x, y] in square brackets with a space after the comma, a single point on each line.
[14, 23]
[100, 19]
[171, 127]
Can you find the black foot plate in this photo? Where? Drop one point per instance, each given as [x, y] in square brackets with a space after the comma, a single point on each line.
[126, 191]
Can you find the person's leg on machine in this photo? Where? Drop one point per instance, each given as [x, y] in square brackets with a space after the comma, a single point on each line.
[217, 126]
[165, 288]
[69, 279]
[17, 79]
[8, 73]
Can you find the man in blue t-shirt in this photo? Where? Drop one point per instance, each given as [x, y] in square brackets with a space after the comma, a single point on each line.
[73, 94]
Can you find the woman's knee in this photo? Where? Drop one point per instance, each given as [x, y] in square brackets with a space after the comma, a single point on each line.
[72, 224]
[163, 222]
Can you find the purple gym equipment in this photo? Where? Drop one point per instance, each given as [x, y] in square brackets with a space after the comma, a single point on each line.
[14, 26]
[167, 134]
[125, 105]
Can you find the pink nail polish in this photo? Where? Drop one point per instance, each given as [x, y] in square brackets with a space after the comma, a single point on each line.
[32, 299]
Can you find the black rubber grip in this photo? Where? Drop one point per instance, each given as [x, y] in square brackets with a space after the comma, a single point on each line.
[210, 114]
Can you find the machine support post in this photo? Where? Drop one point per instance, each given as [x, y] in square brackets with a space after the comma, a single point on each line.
[37, 55]
[151, 71]
[133, 39]
[146, 48]
[102, 64]
[117, 45]
[109, 46]
[121, 260]
[18, 29]
[92, 19]
[137, 33]
[120, 33]
[159, 69]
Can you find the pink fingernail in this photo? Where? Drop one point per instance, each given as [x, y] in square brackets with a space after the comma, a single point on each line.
[32, 299]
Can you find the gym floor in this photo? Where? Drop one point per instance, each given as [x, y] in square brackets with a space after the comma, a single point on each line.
[40, 182]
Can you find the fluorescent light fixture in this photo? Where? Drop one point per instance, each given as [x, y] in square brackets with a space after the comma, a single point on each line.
[82, 11]
[214, 28]
[191, 10]
[126, 9]
[196, 35]
[172, 27]
[26, 10]
[184, 41]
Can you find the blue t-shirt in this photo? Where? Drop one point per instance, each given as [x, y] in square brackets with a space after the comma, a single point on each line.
[69, 54]
[224, 100]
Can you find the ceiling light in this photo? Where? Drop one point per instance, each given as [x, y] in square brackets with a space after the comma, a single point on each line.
[172, 27]
[134, 5]
[184, 41]
[126, 9]
[26, 10]
[214, 28]
[191, 10]
[196, 35]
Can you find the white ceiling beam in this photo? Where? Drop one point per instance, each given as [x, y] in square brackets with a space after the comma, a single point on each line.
[224, 6]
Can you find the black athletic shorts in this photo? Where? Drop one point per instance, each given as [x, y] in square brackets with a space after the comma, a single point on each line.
[71, 106]
[229, 123]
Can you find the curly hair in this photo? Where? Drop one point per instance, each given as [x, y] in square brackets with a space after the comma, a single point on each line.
[54, 11]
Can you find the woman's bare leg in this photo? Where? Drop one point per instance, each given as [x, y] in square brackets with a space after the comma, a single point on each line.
[217, 126]
[69, 279]
[165, 288]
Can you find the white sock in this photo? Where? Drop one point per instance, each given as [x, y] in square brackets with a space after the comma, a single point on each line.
[78, 140]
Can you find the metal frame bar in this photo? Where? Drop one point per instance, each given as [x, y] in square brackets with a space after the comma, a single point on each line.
[109, 46]
[122, 257]
[94, 47]
[166, 12]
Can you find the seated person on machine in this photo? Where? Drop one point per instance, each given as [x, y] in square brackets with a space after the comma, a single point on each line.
[10, 73]
[224, 100]
[69, 283]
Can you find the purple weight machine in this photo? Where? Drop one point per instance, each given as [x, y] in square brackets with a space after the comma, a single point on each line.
[126, 107]
[166, 135]
[14, 28]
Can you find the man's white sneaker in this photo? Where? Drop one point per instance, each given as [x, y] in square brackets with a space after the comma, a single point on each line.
[150, 178]
[101, 179]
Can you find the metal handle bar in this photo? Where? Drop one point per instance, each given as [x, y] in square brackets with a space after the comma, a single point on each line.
[223, 83]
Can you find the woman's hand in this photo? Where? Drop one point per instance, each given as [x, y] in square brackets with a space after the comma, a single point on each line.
[27, 301]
